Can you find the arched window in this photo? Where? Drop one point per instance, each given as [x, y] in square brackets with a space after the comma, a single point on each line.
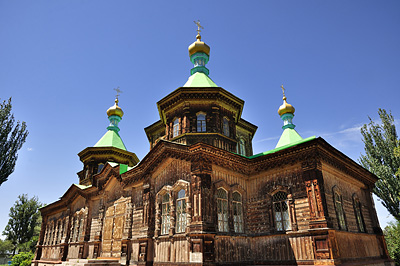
[237, 212]
[181, 212]
[175, 128]
[359, 217]
[222, 210]
[241, 147]
[225, 126]
[100, 167]
[337, 199]
[281, 211]
[165, 218]
[201, 122]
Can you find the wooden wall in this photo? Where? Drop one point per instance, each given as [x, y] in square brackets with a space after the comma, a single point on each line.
[333, 178]
[353, 245]
[264, 248]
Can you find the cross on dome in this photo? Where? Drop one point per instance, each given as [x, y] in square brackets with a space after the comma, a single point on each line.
[118, 92]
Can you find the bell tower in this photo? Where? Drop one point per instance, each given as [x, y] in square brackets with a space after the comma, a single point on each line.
[201, 111]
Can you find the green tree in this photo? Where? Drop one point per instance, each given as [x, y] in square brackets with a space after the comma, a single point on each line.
[24, 219]
[6, 247]
[392, 236]
[397, 154]
[11, 140]
[381, 142]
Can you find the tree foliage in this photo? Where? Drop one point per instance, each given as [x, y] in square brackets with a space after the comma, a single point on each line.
[6, 247]
[22, 259]
[392, 236]
[24, 222]
[380, 142]
[11, 140]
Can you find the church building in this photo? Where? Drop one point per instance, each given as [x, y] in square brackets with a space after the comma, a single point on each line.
[201, 197]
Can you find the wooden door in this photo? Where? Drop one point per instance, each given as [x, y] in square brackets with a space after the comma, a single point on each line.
[112, 231]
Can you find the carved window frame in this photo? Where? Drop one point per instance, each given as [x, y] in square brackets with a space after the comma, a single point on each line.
[222, 210]
[181, 214]
[280, 201]
[339, 208]
[173, 192]
[165, 214]
[358, 214]
[178, 186]
[201, 121]
[241, 147]
[237, 208]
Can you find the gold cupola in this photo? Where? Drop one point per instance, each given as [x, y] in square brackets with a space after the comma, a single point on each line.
[285, 107]
[115, 110]
[199, 46]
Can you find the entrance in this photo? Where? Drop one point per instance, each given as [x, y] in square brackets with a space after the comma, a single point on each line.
[112, 231]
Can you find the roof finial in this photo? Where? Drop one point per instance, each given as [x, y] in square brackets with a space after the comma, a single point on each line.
[283, 91]
[199, 27]
[118, 93]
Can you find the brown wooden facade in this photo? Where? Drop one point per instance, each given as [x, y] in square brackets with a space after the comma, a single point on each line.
[193, 200]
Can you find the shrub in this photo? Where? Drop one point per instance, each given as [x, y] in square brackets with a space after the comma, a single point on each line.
[22, 259]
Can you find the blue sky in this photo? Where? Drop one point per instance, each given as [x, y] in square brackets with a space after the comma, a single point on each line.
[60, 60]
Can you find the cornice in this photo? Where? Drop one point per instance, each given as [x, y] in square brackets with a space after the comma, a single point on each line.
[155, 127]
[311, 155]
[247, 126]
[91, 152]
[183, 94]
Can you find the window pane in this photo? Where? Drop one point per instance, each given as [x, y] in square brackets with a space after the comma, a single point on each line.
[201, 123]
[181, 194]
[165, 217]
[222, 210]
[340, 211]
[226, 127]
[176, 128]
[236, 196]
[281, 210]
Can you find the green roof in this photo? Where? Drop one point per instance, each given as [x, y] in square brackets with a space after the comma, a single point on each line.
[289, 135]
[282, 147]
[111, 139]
[199, 79]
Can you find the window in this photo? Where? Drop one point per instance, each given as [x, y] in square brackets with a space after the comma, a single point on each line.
[237, 212]
[242, 147]
[201, 122]
[175, 128]
[281, 211]
[100, 167]
[339, 210]
[165, 218]
[181, 212]
[222, 210]
[225, 126]
[359, 217]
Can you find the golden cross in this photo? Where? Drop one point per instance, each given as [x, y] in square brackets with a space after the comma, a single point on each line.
[118, 92]
[283, 90]
[199, 27]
